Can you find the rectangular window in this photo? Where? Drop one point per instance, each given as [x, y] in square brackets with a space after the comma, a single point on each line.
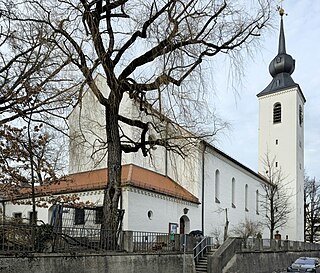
[99, 215]
[17, 215]
[277, 113]
[246, 198]
[257, 202]
[233, 192]
[79, 216]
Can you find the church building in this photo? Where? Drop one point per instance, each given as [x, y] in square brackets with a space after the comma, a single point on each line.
[281, 133]
[202, 191]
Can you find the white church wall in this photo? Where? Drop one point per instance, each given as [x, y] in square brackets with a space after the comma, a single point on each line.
[87, 127]
[136, 203]
[163, 210]
[284, 142]
[184, 169]
[88, 131]
[94, 197]
[219, 199]
[25, 210]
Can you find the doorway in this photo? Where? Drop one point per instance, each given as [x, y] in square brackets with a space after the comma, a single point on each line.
[184, 225]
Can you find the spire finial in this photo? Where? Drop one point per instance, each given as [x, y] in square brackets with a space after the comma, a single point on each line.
[282, 43]
[280, 9]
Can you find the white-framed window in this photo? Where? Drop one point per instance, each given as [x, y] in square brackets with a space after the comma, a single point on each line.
[233, 192]
[246, 197]
[277, 112]
[257, 201]
[217, 186]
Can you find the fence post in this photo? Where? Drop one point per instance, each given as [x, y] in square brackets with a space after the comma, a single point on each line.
[128, 241]
[286, 245]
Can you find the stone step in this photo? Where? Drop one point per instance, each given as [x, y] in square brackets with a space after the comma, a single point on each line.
[202, 264]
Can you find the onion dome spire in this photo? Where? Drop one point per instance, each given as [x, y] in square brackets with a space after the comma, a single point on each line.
[282, 66]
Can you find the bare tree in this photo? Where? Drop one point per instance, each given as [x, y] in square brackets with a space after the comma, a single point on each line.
[33, 76]
[312, 209]
[29, 155]
[275, 200]
[247, 228]
[151, 50]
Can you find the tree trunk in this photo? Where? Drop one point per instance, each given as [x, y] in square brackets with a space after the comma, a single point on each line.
[272, 223]
[112, 191]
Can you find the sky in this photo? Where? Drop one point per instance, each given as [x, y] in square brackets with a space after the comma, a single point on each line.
[240, 109]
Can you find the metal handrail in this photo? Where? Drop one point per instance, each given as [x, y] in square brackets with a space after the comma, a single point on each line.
[202, 248]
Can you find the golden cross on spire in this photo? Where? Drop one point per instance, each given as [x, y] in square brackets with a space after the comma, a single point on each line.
[281, 1]
[280, 8]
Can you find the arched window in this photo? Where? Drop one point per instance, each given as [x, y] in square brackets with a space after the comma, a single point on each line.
[246, 197]
[217, 187]
[277, 113]
[257, 202]
[233, 192]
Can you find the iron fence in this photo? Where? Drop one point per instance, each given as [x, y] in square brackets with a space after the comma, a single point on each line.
[24, 238]
[68, 239]
[155, 241]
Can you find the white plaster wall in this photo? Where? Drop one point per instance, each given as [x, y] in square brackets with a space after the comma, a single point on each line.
[11, 209]
[87, 130]
[165, 210]
[289, 152]
[215, 215]
[136, 204]
[95, 197]
[87, 126]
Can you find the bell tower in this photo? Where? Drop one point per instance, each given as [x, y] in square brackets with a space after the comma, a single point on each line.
[281, 133]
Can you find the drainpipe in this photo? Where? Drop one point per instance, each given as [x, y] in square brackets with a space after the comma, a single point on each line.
[202, 178]
[166, 153]
[3, 210]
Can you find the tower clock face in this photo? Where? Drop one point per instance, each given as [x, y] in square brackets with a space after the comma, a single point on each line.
[300, 115]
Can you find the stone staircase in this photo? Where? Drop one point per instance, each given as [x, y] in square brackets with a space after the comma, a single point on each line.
[202, 264]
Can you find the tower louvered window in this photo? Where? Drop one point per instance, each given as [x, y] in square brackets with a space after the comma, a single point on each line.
[277, 113]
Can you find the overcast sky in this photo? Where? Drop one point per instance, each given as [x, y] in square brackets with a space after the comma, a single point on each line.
[302, 33]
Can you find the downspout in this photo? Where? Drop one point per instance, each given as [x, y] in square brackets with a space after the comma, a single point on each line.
[202, 178]
[3, 210]
[166, 153]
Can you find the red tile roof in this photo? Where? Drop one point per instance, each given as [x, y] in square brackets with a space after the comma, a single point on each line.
[132, 175]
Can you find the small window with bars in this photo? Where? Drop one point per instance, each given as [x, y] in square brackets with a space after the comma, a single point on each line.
[277, 113]
[79, 216]
[99, 215]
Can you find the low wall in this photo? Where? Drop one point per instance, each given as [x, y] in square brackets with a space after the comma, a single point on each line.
[264, 262]
[118, 263]
[222, 256]
[260, 256]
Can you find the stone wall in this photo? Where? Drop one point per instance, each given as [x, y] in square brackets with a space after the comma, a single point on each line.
[118, 263]
[259, 256]
[264, 262]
